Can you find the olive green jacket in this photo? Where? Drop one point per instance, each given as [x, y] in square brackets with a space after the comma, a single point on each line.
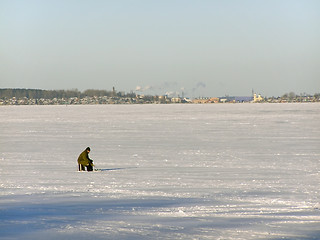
[84, 159]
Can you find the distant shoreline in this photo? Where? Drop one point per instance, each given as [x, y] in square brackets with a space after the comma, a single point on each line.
[92, 97]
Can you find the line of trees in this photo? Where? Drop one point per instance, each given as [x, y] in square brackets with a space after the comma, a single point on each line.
[292, 95]
[51, 94]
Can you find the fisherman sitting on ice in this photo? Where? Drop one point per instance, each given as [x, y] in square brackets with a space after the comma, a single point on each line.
[84, 161]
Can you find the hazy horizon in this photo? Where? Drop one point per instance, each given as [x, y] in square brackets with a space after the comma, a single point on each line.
[201, 48]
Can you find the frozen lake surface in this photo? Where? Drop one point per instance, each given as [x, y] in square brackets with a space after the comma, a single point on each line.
[224, 171]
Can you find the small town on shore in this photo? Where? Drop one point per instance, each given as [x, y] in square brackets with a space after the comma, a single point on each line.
[74, 97]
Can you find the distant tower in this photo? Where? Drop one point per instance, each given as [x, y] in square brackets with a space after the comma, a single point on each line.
[113, 92]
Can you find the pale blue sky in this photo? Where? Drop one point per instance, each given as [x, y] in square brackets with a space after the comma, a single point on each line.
[205, 47]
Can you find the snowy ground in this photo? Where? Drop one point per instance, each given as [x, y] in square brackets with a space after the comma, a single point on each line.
[224, 171]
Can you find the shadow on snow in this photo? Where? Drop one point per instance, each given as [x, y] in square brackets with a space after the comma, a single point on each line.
[111, 169]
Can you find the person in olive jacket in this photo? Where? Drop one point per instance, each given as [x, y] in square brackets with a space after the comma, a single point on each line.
[85, 161]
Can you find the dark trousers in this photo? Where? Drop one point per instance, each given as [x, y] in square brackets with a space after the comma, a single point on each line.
[83, 168]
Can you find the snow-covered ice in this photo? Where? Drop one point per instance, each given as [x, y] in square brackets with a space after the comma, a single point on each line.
[219, 171]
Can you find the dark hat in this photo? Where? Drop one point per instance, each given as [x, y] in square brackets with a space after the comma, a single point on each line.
[88, 149]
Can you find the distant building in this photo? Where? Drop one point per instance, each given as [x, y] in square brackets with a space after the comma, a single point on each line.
[257, 98]
[176, 100]
[200, 100]
[243, 99]
[186, 100]
[236, 99]
[213, 100]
